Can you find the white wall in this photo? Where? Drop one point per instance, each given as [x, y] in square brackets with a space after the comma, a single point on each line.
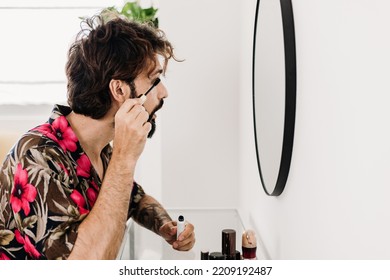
[16, 120]
[336, 201]
[200, 118]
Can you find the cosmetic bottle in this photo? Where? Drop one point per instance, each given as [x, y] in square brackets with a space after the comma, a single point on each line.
[249, 245]
[217, 256]
[229, 244]
[238, 255]
[204, 254]
[180, 226]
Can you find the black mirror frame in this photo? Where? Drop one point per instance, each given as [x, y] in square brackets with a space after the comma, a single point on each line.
[290, 95]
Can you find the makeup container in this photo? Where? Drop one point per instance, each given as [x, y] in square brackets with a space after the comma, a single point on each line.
[249, 245]
[217, 256]
[180, 226]
[204, 254]
[238, 255]
[229, 243]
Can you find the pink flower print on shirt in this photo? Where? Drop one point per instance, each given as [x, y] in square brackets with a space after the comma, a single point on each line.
[22, 192]
[3, 256]
[60, 132]
[92, 193]
[80, 201]
[27, 245]
[84, 165]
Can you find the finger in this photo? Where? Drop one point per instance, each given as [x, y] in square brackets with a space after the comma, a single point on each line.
[184, 240]
[138, 116]
[147, 127]
[142, 116]
[128, 105]
[188, 230]
[168, 232]
[142, 99]
[136, 110]
[186, 244]
[187, 247]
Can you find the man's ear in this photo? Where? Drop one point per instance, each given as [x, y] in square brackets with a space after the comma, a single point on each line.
[119, 90]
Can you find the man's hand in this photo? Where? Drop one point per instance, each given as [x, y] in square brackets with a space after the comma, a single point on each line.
[131, 129]
[186, 239]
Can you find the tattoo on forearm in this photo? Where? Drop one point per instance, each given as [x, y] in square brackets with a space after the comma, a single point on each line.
[152, 216]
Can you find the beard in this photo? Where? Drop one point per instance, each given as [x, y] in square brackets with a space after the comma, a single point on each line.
[153, 130]
[152, 121]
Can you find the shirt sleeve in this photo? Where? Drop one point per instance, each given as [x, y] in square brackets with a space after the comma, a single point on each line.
[43, 219]
[136, 195]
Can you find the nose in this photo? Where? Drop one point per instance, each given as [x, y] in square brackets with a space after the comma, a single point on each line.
[162, 91]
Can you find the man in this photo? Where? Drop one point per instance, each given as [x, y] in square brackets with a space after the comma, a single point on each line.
[65, 193]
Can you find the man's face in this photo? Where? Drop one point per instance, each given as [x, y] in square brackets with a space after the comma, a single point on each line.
[155, 98]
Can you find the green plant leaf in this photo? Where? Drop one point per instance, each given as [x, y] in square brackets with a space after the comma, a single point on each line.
[150, 12]
[133, 11]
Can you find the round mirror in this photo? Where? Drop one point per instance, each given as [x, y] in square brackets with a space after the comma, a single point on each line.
[274, 91]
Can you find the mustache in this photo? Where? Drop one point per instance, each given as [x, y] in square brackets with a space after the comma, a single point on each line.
[158, 107]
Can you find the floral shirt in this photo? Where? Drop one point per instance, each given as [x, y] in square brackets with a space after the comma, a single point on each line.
[47, 187]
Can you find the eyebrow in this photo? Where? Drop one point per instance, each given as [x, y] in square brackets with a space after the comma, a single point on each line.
[155, 72]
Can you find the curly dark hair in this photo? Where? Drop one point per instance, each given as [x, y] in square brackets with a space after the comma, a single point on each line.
[116, 49]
